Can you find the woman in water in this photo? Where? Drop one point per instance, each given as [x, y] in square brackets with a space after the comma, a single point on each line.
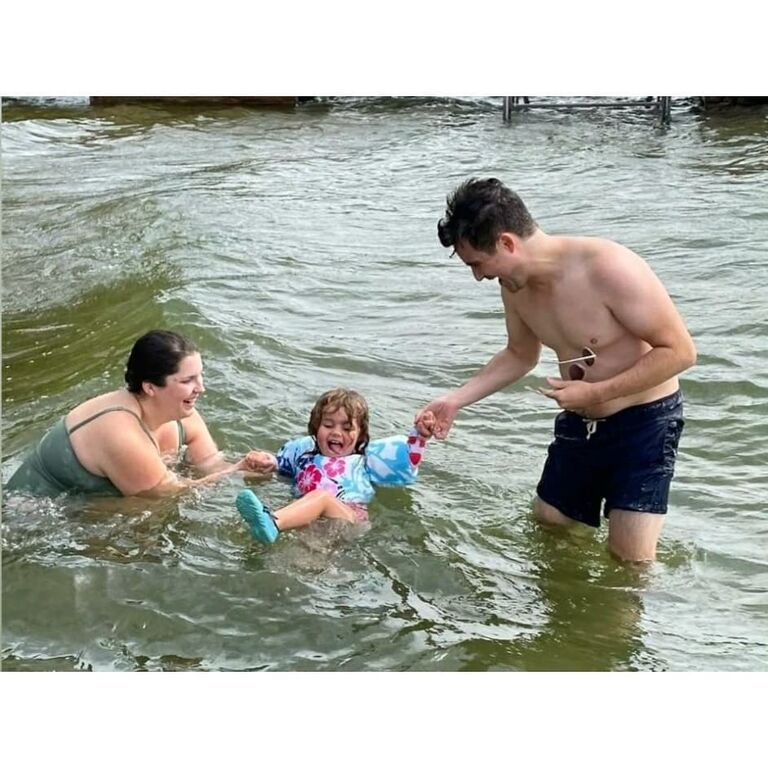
[121, 443]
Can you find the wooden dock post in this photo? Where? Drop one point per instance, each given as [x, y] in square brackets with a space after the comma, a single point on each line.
[248, 101]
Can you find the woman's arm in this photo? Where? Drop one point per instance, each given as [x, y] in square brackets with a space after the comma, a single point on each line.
[131, 461]
[202, 452]
[206, 458]
[129, 458]
[172, 484]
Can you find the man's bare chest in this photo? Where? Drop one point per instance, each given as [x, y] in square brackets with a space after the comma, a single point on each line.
[567, 322]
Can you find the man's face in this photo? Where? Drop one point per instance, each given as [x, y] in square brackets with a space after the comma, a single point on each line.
[497, 265]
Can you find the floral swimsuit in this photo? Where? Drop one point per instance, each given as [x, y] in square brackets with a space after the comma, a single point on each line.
[391, 461]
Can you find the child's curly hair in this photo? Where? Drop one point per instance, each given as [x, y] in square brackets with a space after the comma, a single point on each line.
[353, 403]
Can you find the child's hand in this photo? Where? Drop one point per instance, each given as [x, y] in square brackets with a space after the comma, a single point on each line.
[426, 424]
[259, 461]
[437, 417]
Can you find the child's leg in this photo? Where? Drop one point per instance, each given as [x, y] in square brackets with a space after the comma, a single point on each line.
[308, 508]
[261, 524]
[266, 526]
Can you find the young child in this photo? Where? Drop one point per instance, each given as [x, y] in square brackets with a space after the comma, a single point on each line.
[334, 468]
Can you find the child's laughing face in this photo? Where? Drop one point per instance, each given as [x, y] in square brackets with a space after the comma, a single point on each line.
[337, 434]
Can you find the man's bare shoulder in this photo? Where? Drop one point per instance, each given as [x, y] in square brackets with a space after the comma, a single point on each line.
[619, 273]
[592, 252]
[611, 260]
[598, 260]
[601, 247]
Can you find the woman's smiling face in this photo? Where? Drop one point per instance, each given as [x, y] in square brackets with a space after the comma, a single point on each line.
[337, 434]
[182, 388]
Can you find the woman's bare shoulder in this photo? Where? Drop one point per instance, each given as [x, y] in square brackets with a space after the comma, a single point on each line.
[119, 398]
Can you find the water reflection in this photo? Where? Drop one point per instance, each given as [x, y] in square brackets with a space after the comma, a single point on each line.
[725, 123]
[48, 350]
[590, 610]
[73, 529]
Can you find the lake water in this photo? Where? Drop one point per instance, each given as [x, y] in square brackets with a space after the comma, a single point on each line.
[297, 247]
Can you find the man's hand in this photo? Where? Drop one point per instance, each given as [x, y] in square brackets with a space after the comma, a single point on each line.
[436, 419]
[572, 395]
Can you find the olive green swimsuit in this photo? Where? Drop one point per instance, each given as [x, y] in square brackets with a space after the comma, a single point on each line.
[53, 468]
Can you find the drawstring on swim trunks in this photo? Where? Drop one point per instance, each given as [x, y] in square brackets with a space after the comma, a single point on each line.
[591, 425]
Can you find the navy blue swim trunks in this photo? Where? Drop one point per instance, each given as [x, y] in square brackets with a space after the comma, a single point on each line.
[625, 460]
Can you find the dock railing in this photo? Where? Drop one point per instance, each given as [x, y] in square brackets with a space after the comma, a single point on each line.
[661, 105]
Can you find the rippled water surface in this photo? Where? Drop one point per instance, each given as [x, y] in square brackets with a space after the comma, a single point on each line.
[297, 247]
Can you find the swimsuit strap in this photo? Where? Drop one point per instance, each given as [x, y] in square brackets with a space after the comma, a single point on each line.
[109, 410]
[182, 435]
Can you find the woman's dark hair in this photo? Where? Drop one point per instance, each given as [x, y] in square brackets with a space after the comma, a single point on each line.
[479, 210]
[352, 402]
[154, 356]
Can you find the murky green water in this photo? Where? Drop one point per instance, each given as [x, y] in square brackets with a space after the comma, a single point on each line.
[298, 248]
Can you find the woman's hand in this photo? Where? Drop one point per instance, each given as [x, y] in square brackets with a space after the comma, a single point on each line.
[259, 462]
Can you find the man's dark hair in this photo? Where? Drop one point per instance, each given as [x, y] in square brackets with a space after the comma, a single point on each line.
[155, 356]
[479, 210]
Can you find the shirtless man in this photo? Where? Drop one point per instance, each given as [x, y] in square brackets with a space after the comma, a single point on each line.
[620, 342]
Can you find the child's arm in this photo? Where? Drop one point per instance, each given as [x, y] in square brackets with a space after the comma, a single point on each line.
[286, 461]
[395, 460]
